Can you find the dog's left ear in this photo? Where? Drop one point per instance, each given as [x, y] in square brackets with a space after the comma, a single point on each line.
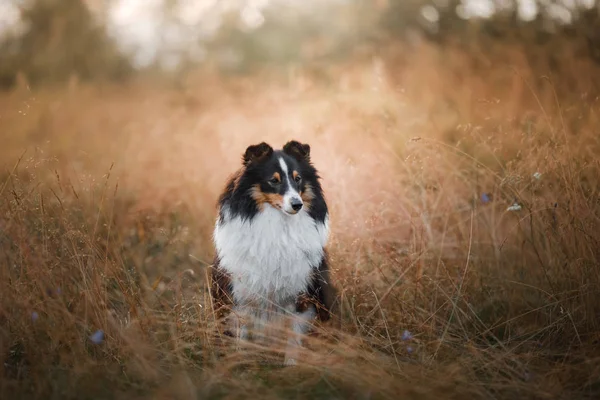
[256, 153]
[299, 151]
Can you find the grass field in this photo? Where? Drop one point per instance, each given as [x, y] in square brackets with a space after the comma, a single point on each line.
[464, 194]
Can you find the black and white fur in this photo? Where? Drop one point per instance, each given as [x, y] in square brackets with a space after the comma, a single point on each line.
[270, 238]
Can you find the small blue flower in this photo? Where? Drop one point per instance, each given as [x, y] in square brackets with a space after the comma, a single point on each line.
[406, 335]
[409, 349]
[485, 198]
[97, 337]
[34, 316]
[52, 292]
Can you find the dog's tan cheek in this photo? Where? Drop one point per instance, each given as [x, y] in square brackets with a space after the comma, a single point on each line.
[307, 196]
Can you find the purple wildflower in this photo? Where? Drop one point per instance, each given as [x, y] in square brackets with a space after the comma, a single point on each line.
[52, 292]
[409, 349]
[406, 335]
[34, 316]
[97, 337]
[485, 198]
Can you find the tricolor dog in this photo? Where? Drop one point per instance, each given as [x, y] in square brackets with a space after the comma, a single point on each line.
[270, 237]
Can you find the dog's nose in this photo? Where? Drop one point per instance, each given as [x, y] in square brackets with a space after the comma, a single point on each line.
[296, 204]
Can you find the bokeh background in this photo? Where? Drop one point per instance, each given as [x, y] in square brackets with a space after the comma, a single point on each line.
[458, 143]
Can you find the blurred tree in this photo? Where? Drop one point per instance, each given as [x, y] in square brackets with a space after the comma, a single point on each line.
[62, 40]
[286, 33]
[555, 23]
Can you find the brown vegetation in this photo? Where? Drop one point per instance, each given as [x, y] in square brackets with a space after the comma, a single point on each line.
[105, 223]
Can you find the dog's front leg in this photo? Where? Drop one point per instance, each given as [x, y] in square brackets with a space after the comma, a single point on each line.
[239, 325]
[301, 323]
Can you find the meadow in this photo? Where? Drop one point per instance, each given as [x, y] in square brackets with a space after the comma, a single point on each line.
[465, 247]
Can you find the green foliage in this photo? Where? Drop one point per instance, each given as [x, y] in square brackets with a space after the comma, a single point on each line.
[62, 40]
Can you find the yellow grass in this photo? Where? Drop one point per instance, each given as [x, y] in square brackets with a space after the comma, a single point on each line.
[107, 205]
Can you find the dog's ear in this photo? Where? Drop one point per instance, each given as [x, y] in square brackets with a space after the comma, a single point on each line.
[299, 151]
[257, 152]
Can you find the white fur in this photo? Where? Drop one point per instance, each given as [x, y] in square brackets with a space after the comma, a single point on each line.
[270, 257]
[283, 166]
[291, 194]
[300, 325]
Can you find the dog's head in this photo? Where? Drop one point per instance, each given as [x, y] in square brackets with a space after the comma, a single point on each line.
[280, 178]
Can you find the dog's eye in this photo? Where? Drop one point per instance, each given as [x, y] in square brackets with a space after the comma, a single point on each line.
[298, 178]
[274, 181]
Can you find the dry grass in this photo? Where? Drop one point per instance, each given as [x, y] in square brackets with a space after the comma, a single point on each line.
[501, 304]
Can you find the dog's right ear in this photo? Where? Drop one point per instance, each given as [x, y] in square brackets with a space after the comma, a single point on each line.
[257, 152]
[297, 150]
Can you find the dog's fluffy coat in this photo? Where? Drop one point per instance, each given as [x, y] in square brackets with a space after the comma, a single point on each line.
[270, 238]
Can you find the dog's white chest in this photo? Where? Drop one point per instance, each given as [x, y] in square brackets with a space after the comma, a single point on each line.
[270, 257]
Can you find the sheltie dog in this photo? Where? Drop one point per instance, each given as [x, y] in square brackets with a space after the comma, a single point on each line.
[270, 237]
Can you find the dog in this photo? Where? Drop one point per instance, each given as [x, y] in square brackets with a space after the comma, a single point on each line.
[270, 237]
